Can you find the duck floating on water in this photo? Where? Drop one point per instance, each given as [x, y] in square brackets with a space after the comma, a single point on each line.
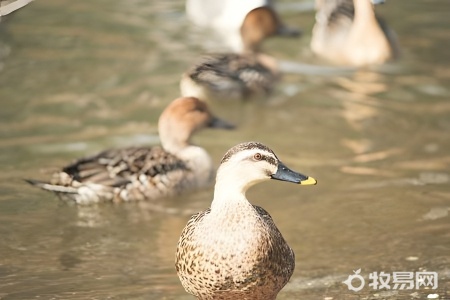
[348, 32]
[245, 73]
[144, 173]
[230, 76]
[234, 249]
[228, 18]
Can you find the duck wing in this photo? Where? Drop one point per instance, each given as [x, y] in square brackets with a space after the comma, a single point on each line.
[135, 173]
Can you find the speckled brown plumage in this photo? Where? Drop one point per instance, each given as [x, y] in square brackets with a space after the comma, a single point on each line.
[230, 76]
[129, 174]
[144, 173]
[218, 269]
[234, 249]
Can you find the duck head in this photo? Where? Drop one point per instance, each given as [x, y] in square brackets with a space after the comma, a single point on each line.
[182, 119]
[261, 23]
[249, 163]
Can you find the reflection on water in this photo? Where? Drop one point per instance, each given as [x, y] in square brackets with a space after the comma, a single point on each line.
[78, 77]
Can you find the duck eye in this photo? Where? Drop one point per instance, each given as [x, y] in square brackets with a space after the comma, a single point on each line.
[257, 156]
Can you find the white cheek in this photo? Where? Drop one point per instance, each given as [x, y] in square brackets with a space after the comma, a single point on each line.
[256, 170]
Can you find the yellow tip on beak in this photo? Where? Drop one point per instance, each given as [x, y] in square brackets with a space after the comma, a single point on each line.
[308, 181]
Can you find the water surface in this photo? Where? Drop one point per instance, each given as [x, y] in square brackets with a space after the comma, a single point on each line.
[78, 77]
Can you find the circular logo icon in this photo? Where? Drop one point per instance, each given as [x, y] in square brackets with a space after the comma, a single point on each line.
[356, 276]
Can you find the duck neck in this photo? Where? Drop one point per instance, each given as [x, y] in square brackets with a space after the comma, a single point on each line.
[364, 12]
[174, 136]
[229, 193]
[199, 162]
[173, 146]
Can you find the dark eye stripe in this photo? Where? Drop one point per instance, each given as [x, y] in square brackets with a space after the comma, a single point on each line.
[269, 159]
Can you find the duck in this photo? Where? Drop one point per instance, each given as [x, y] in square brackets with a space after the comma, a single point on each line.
[245, 72]
[348, 32]
[230, 77]
[144, 172]
[234, 250]
[228, 18]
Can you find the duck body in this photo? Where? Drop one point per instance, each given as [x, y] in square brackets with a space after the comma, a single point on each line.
[230, 76]
[221, 14]
[244, 72]
[348, 32]
[229, 18]
[234, 249]
[269, 261]
[143, 173]
[130, 174]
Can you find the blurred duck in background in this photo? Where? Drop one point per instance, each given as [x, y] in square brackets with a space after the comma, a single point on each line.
[230, 18]
[230, 76]
[348, 32]
[243, 75]
[144, 173]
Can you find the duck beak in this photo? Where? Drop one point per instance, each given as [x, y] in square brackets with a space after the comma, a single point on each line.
[219, 123]
[285, 174]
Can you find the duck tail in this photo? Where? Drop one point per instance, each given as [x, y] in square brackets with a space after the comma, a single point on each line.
[52, 187]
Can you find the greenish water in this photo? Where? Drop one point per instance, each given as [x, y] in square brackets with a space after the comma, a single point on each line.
[78, 77]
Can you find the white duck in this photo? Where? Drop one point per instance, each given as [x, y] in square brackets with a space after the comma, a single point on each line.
[228, 18]
[348, 32]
